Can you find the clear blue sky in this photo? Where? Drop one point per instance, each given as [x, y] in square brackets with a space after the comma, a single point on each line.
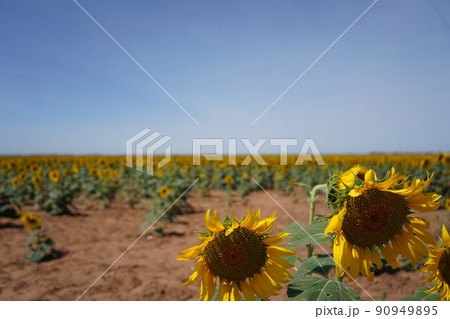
[66, 87]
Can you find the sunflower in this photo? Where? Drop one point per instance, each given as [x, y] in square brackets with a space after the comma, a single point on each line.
[439, 265]
[37, 181]
[244, 175]
[54, 175]
[228, 179]
[447, 204]
[164, 191]
[239, 256]
[375, 214]
[425, 163]
[15, 182]
[159, 173]
[31, 221]
[23, 176]
[278, 176]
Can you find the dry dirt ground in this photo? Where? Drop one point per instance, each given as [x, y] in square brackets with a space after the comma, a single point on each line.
[89, 243]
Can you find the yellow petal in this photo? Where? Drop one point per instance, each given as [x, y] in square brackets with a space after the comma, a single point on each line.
[257, 285]
[348, 178]
[280, 272]
[198, 270]
[247, 291]
[248, 220]
[192, 252]
[369, 177]
[389, 256]
[207, 285]
[445, 236]
[213, 224]
[235, 294]
[335, 222]
[265, 225]
[224, 291]
[275, 273]
[375, 257]
[269, 280]
[275, 239]
[354, 267]
[425, 202]
[280, 251]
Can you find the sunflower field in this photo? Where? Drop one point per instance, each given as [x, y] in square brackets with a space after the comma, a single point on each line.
[373, 222]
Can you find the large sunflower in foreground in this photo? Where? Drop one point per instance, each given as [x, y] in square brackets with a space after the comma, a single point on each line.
[376, 214]
[439, 265]
[240, 256]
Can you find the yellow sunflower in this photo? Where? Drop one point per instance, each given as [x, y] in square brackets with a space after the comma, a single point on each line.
[23, 176]
[37, 181]
[31, 221]
[241, 257]
[164, 191]
[15, 182]
[54, 175]
[439, 265]
[228, 179]
[374, 213]
[278, 176]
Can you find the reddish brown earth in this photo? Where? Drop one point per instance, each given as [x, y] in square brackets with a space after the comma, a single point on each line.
[92, 241]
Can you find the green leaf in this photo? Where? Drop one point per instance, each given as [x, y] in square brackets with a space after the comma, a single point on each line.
[318, 264]
[47, 244]
[431, 297]
[421, 295]
[312, 234]
[299, 284]
[409, 298]
[321, 289]
[293, 228]
[35, 255]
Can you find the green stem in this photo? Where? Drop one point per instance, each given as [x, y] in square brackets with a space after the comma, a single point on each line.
[312, 208]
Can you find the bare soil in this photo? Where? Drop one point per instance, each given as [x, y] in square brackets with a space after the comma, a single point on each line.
[89, 243]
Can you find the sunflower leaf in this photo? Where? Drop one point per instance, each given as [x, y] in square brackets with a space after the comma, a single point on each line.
[307, 235]
[421, 295]
[293, 228]
[317, 264]
[311, 288]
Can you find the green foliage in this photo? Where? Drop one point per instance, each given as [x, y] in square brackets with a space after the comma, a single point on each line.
[307, 235]
[39, 245]
[421, 295]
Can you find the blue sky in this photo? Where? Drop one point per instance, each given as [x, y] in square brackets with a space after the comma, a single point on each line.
[66, 87]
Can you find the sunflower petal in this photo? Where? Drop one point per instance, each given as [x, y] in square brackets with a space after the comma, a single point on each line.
[275, 239]
[247, 291]
[198, 270]
[235, 294]
[265, 225]
[213, 224]
[445, 236]
[425, 202]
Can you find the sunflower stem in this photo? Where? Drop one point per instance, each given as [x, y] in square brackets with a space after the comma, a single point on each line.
[312, 208]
